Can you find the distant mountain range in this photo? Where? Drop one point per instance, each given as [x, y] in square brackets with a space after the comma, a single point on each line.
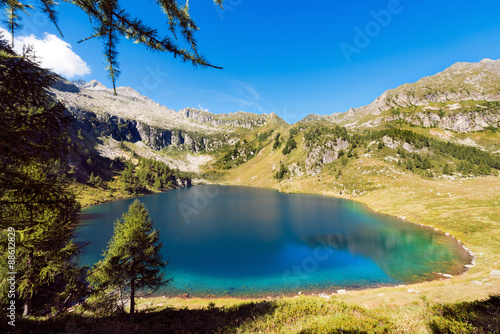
[435, 101]
[80, 96]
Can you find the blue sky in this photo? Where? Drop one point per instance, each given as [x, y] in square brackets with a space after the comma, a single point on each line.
[292, 57]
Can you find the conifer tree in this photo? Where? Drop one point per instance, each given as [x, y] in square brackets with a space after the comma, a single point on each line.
[446, 169]
[132, 259]
[33, 199]
[110, 22]
[157, 184]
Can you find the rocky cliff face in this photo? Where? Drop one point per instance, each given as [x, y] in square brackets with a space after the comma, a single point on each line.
[133, 131]
[459, 122]
[132, 117]
[238, 119]
[320, 155]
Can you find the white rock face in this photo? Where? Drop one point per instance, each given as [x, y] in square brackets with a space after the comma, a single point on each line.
[321, 155]
[390, 142]
[130, 104]
[459, 121]
[495, 274]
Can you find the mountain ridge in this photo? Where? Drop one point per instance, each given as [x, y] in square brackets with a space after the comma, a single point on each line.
[94, 89]
[463, 81]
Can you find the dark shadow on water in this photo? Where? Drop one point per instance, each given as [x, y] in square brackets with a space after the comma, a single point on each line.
[89, 216]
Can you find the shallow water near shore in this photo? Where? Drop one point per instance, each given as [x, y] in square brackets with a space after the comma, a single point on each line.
[250, 242]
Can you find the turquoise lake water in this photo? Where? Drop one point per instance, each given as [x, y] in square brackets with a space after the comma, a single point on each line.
[240, 241]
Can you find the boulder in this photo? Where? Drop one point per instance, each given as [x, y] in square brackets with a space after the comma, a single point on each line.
[495, 274]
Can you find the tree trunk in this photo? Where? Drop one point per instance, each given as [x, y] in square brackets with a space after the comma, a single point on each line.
[29, 274]
[132, 296]
[27, 296]
[27, 306]
[122, 304]
[63, 305]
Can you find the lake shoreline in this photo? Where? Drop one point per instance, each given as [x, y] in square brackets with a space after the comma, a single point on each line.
[319, 291]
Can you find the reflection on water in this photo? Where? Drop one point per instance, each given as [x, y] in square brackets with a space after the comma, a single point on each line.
[258, 241]
[395, 250]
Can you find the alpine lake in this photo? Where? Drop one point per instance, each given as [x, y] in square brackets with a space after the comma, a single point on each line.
[254, 242]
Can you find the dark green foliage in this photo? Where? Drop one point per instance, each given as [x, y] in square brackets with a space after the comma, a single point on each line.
[132, 259]
[264, 135]
[33, 200]
[426, 164]
[319, 133]
[280, 174]
[460, 152]
[446, 169]
[294, 131]
[96, 181]
[476, 317]
[470, 159]
[277, 142]
[238, 154]
[150, 174]
[289, 146]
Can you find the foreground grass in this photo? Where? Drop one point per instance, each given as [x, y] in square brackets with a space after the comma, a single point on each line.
[472, 317]
[304, 315]
[291, 315]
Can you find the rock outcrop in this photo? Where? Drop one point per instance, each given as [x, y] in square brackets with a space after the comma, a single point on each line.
[120, 129]
[133, 117]
[324, 154]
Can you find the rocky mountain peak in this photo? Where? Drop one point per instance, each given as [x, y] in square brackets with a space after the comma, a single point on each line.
[79, 83]
[94, 84]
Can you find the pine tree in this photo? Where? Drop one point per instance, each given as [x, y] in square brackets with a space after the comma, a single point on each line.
[110, 22]
[33, 201]
[446, 169]
[157, 184]
[426, 164]
[132, 259]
